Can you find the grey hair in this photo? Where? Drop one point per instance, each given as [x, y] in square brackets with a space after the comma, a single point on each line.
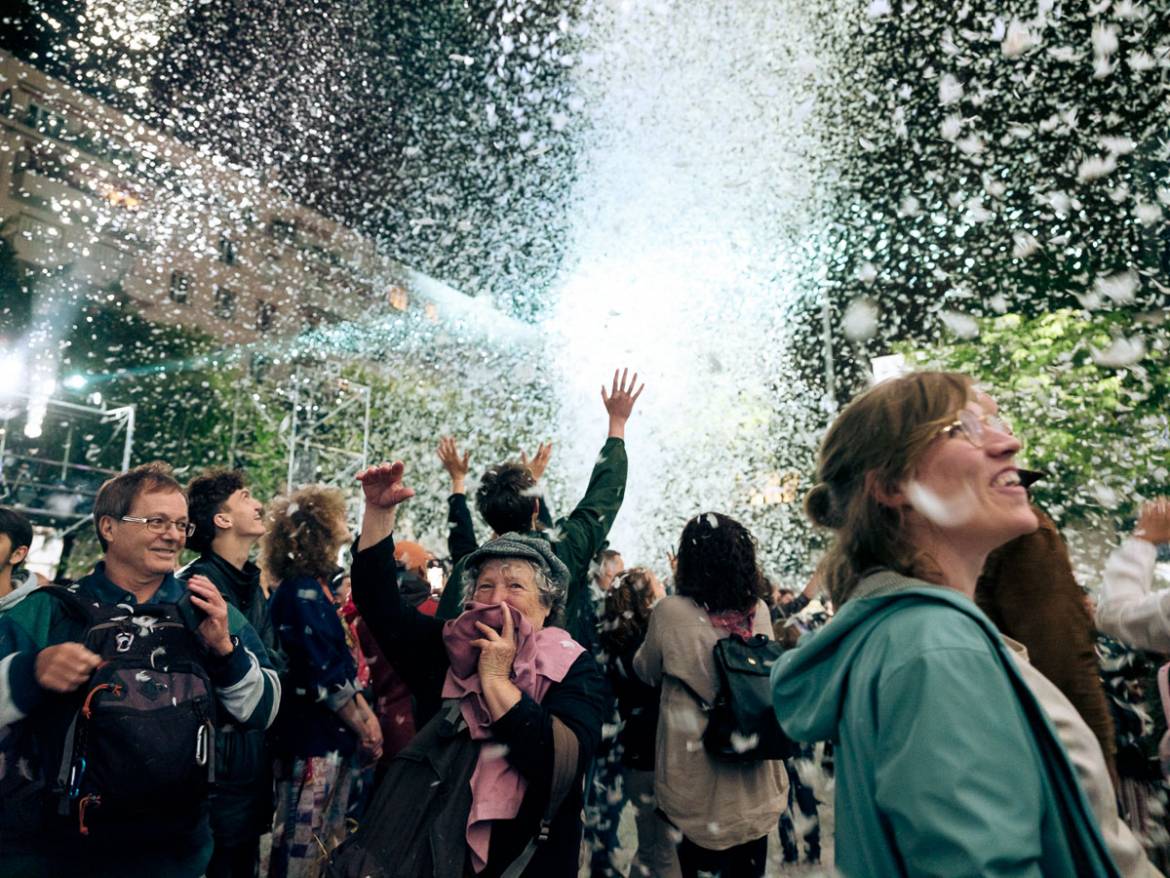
[551, 596]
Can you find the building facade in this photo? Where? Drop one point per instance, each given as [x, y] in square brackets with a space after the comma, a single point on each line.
[92, 194]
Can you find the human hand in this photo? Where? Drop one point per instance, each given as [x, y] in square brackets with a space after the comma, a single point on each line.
[370, 742]
[813, 586]
[619, 402]
[382, 485]
[1154, 521]
[65, 667]
[497, 650]
[672, 560]
[539, 462]
[214, 630]
[457, 467]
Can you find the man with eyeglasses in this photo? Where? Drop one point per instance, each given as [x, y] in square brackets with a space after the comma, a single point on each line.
[141, 521]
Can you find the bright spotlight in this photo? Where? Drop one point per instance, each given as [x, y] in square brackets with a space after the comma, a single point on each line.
[75, 382]
[32, 426]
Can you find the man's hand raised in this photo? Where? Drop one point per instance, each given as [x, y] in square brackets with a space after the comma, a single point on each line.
[539, 462]
[383, 489]
[619, 402]
[382, 485]
[457, 467]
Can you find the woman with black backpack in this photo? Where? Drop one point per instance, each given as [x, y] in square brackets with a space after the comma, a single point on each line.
[723, 809]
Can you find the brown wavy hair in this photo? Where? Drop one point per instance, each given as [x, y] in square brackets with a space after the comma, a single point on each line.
[876, 441]
[305, 533]
[626, 615]
[717, 564]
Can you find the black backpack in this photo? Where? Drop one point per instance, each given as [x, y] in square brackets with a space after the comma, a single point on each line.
[140, 748]
[741, 724]
[415, 824]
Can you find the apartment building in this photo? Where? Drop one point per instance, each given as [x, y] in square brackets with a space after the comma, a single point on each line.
[119, 208]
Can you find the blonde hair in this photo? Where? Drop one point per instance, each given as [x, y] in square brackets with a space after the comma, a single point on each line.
[305, 533]
[875, 442]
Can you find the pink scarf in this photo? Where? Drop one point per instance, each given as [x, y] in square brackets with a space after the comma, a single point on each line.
[542, 658]
[739, 623]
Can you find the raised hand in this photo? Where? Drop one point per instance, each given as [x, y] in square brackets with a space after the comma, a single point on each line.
[457, 467]
[1154, 521]
[619, 402]
[539, 462]
[382, 485]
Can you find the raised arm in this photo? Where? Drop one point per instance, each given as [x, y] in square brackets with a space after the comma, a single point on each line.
[460, 528]
[537, 465]
[583, 532]
[1128, 609]
[410, 640]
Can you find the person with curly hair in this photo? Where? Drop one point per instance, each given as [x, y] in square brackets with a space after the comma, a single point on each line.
[325, 726]
[724, 811]
[624, 622]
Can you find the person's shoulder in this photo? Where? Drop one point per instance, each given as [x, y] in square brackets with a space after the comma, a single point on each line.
[296, 588]
[676, 608]
[915, 625]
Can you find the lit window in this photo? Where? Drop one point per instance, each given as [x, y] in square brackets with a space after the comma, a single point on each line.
[265, 315]
[227, 250]
[225, 303]
[180, 287]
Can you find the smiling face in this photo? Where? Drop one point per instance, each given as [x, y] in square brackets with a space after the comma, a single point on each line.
[511, 581]
[243, 514]
[970, 496]
[132, 546]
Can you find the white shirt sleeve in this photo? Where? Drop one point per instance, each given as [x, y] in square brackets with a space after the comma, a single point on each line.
[1128, 609]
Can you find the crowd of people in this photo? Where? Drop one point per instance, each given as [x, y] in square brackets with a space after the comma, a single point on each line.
[492, 713]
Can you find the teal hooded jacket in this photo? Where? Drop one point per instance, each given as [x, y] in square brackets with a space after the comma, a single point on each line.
[946, 764]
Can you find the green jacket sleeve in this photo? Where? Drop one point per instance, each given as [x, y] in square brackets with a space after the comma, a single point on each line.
[956, 774]
[580, 536]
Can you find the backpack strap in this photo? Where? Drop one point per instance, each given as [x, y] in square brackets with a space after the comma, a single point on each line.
[74, 606]
[565, 755]
[78, 610]
[704, 704]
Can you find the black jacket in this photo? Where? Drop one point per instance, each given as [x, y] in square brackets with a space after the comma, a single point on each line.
[638, 706]
[242, 796]
[413, 642]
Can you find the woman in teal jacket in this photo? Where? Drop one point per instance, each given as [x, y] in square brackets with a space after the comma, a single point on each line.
[947, 764]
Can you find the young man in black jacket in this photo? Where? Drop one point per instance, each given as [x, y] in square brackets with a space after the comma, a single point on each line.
[228, 523]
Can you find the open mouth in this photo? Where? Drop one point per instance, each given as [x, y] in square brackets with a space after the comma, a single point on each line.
[1007, 479]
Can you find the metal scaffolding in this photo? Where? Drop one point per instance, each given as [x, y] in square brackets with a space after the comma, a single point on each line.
[328, 427]
[52, 472]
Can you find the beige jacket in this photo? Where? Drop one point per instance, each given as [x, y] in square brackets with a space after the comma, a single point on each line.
[715, 805]
[1084, 752]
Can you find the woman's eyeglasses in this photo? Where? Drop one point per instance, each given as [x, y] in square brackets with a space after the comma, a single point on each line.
[974, 427]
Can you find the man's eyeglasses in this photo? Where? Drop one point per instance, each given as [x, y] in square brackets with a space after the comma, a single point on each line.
[974, 427]
[158, 525]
